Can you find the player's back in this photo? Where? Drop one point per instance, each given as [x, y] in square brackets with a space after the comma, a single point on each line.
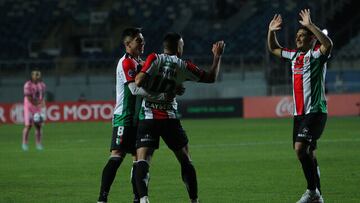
[166, 72]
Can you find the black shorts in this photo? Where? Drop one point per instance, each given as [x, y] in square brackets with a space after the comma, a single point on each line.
[124, 139]
[308, 128]
[171, 131]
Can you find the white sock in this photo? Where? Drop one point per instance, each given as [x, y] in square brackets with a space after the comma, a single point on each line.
[144, 199]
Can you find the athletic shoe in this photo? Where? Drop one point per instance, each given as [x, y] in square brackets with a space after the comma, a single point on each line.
[321, 200]
[39, 147]
[25, 147]
[194, 201]
[144, 199]
[311, 197]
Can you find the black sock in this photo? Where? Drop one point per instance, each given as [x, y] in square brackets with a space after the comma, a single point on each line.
[142, 178]
[108, 176]
[133, 183]
[309, 170]
[317, 175]
[188, 175]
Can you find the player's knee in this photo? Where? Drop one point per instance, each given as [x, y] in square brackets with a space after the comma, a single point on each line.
[299, 153]
[117, 155]
[144, 153]
[142, 164]
[183, 155]
[302, 151]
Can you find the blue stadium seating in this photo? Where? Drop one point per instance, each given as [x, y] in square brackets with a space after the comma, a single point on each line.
[24, 21]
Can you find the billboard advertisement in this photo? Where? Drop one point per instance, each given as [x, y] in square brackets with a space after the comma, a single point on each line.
[282, 106]
[211, 108]
[61, 112]
[247, 107]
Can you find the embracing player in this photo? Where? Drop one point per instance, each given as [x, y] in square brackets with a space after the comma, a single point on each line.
[308, 64]
[124, 120]
[163, 73]
[34, 106]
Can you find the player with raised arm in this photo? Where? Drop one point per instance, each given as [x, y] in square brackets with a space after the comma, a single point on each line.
[308, 64]
[163, 73]
[34, 105]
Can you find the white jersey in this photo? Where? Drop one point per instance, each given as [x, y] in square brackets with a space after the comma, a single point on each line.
[165, 72]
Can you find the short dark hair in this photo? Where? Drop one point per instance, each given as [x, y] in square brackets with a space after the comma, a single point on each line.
[171, 41]
[306, 29]
[37, 69]
[130, 32]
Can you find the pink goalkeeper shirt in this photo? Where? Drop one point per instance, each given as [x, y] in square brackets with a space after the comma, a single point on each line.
[37, 92]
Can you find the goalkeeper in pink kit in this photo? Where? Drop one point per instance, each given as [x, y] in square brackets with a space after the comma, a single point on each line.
[34, 106]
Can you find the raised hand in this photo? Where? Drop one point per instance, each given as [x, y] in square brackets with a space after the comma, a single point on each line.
[275, 23]
[305, 17]
[218, 48]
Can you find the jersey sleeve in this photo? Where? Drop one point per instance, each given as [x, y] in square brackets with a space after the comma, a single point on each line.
[288, 53]
[129, 70]
[27, 89]
[316, 53]
[150, 64]
[193, 73]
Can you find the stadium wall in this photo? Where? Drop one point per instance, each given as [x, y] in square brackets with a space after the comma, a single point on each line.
[247, 107]
[102, 87]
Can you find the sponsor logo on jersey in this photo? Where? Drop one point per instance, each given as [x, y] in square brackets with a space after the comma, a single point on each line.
[160, 106]
[306, 59]
[299, 71]
[132, 73]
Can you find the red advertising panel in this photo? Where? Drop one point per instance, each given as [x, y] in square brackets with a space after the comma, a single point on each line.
[282, 106]
[268, 107]
[61, 112]
[344, 104]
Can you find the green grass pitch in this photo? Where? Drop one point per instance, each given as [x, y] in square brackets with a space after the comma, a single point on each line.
[237, 160]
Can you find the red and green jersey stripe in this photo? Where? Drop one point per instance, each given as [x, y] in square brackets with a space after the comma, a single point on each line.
[308, 76]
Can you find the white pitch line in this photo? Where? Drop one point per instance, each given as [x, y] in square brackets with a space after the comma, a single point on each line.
[267, 143]
[230, 145]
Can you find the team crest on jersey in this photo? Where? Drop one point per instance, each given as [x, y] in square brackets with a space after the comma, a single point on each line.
[131, 73]
[307, 59]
